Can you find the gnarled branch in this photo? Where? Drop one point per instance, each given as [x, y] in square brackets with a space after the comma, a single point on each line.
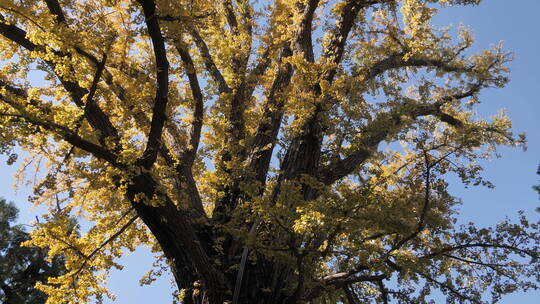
[159, 114]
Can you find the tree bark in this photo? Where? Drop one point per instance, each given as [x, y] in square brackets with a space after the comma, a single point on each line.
[265, 282]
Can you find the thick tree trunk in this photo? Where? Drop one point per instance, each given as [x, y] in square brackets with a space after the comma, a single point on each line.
[203, 274]
[264, 282]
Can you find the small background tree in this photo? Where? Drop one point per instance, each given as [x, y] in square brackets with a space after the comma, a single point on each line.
[22, 267]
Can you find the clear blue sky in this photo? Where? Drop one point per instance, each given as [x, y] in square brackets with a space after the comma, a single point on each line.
[514, 22]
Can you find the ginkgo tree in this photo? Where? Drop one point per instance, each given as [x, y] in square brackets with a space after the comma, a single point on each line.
[288, 151]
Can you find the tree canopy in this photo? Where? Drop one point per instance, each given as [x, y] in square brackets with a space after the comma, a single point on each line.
[288, 151]
[22, 267]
